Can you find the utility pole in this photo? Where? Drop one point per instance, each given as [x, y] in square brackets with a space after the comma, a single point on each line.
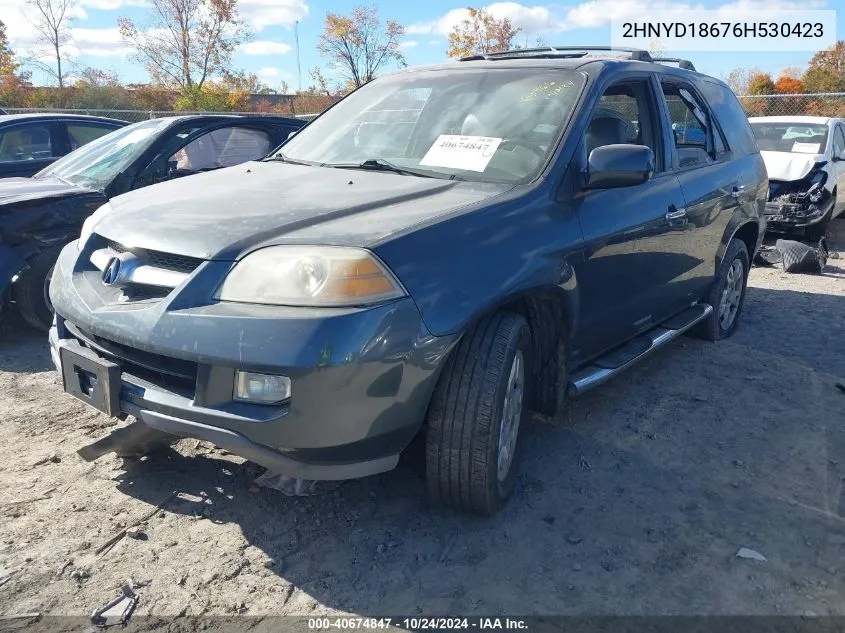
[298, 66]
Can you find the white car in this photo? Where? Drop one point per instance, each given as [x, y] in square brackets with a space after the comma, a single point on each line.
[805, 159]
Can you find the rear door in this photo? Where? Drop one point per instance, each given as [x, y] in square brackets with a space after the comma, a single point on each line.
[79, 133]
[633, 255]
[711, 185]
[28, 147]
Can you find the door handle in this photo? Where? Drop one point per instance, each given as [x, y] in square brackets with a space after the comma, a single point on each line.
[737, 190]
[674, 214]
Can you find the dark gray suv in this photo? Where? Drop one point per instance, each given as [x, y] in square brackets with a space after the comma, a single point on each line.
[443, 250]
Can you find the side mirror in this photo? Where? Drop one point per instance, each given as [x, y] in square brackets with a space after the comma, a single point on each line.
[620, 165]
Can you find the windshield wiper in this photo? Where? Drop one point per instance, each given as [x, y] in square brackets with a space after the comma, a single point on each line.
[379, 164]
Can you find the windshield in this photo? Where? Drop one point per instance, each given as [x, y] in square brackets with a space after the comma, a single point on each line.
[795, 137]
[96, 164]
[482, 125]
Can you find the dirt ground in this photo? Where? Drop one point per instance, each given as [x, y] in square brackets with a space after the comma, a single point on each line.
[635, 501]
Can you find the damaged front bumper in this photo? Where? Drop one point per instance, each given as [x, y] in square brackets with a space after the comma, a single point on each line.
[795, 209]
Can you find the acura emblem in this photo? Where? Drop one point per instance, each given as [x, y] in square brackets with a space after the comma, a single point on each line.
[119, 269]
[111, 273]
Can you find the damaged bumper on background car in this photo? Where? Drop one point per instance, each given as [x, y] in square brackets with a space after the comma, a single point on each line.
[797, 204]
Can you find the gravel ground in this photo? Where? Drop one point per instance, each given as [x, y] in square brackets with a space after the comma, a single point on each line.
[635, 501]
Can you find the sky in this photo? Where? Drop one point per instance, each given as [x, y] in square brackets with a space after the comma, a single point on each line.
[271, 53]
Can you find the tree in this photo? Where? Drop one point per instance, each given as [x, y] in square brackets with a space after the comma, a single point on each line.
[788, 84]
[739, 79]
[481, 33]
[359, 46]
[760, 83]
[12, 82]
[188, 41]
[826, 70]
[52, 20]
[8, 64]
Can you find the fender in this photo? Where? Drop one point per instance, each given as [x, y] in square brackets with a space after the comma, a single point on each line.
[11, 263]
[736, 224]
[524, 244]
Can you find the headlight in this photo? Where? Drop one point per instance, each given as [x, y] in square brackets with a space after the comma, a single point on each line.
[90, 223]
[313, 276]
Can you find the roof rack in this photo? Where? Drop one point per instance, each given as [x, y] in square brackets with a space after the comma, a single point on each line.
[637, 54]
[682, 63]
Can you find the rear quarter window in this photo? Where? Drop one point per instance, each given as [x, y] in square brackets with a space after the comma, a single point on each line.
[730, 115]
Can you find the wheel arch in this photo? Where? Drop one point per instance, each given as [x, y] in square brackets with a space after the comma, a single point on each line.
[551, 313]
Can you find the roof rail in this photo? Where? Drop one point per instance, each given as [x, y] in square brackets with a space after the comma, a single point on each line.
[637, 54]
[682, 63]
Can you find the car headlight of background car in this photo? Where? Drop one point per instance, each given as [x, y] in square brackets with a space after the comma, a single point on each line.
[90, 223]
[310, 276]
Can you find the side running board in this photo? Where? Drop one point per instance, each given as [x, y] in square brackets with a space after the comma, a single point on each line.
[617, 360]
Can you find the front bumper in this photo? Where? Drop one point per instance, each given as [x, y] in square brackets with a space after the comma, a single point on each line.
[360, 378]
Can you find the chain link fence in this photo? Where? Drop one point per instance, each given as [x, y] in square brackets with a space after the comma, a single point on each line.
[830, 104]
[133, 116]
[819, 104]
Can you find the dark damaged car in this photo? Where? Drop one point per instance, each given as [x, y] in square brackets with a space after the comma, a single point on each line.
[805, 161]
[443, 250]
[39, 215]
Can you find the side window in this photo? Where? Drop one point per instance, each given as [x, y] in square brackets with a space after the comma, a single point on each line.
[26, 142]
[222, 147]
[81, 133]
[730, 115]
[838, 142]
[624, 114]
[691, 127]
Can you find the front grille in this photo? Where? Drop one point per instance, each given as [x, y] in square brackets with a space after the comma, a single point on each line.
[164, 371]
[160, 259]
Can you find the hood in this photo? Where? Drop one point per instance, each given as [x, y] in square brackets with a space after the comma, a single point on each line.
[220, 214]
[23, 189]
[788, 165]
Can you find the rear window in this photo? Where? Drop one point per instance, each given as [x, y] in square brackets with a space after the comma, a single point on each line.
[730, 115]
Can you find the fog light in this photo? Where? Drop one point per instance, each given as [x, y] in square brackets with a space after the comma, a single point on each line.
[262, 388]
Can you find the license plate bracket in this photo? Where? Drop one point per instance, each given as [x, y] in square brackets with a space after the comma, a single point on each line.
[91, 379]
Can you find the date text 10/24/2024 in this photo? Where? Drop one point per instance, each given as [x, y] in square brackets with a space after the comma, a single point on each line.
[418, 623]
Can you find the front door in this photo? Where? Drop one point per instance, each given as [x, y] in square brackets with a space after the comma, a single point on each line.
[633, 255]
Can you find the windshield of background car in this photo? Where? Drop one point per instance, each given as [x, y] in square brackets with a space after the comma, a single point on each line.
[797, 138]
[487, 125]
[96, 164]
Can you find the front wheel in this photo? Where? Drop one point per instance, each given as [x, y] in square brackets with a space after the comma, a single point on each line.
[473, 440]
[727, 295]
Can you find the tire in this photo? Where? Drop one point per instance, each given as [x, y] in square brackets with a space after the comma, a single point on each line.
[32, 287]
[467, 415]
[714, 327]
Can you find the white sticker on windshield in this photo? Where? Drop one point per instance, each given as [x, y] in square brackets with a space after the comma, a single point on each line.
[806, 148]
[461, 152]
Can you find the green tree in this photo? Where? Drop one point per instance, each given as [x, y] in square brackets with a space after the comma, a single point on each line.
[761, 84]
[826, 70]
[12, 81]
